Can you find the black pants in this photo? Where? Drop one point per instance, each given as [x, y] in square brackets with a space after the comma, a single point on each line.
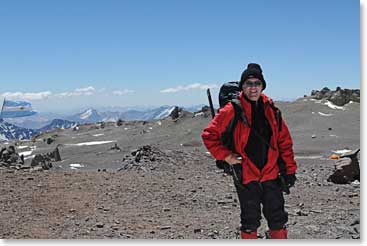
[270, 195]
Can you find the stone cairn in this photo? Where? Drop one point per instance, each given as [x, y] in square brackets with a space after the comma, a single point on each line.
[338, 97]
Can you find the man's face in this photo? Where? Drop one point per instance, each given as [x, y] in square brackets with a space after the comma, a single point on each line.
[252, 88]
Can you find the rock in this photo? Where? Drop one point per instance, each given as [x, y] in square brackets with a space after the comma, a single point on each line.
[301, 213]
[119, 122]
[346, 171]
[56, 154]
[355, 183]
[355, 222]
[115, 147]
[100, 225]
[41, 160]
[175, 113]
[338, 97]
[165, 227]
[49, 140]
[198, 230]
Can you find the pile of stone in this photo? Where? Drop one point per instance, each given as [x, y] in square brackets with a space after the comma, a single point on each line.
[144, 158]
[176, 113]
[44, 161]
[205, 112]
[9, 157]
[338, 97]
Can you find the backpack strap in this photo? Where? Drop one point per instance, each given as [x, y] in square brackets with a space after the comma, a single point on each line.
[239, 112]
[277, 114]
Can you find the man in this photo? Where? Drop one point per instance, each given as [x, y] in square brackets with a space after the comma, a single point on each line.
[258, 146]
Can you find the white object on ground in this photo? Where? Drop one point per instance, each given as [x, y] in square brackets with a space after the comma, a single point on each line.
[22, 147]
[333, 106]
[25, 153]
[75, 165]
[342, 151]
[29, 157]
[96, 135]
[323, 114]
[199, 114]
[92, 143]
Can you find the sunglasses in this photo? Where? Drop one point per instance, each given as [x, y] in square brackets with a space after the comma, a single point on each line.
[252, 84]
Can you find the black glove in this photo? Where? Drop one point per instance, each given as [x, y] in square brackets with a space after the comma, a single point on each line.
[290, 179]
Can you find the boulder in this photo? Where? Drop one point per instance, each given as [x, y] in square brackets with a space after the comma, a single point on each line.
[346, 169]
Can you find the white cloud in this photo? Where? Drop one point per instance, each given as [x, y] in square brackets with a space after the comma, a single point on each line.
[121, 93]
[85, 91]
[27, 95]
[195, 86]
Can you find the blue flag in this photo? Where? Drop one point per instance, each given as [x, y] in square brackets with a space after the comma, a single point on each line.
[13, 109]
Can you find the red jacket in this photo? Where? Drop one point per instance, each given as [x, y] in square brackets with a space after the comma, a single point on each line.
[282, 141]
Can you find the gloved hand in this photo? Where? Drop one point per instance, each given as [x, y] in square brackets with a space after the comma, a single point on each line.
[290, 179]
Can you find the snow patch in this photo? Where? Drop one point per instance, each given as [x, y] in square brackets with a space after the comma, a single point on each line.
[26, 153]
[97, 135]
[323, 114]
[165, 113]
[75, 165]
[22, 147]
[333, 106]
[159, 123]
[29, 157]
[86, 114]
[342, 151]
[93, 143]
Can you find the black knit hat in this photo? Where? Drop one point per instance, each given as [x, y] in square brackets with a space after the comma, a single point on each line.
[253, 71]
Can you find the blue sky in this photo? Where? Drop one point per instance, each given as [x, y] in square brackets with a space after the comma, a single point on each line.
[102, 53]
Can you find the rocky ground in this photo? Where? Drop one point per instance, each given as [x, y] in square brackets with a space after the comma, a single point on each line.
[155, 180]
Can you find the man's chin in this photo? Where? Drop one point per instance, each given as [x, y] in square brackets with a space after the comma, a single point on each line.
[253, 98]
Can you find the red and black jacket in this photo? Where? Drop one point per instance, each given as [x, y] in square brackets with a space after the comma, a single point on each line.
[281, 140]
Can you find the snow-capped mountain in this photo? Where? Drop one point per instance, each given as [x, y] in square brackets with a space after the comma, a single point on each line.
[132, 114]
[158, 113]
[88, 116]
[35, 121]
[58, 123]
[9, 131]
